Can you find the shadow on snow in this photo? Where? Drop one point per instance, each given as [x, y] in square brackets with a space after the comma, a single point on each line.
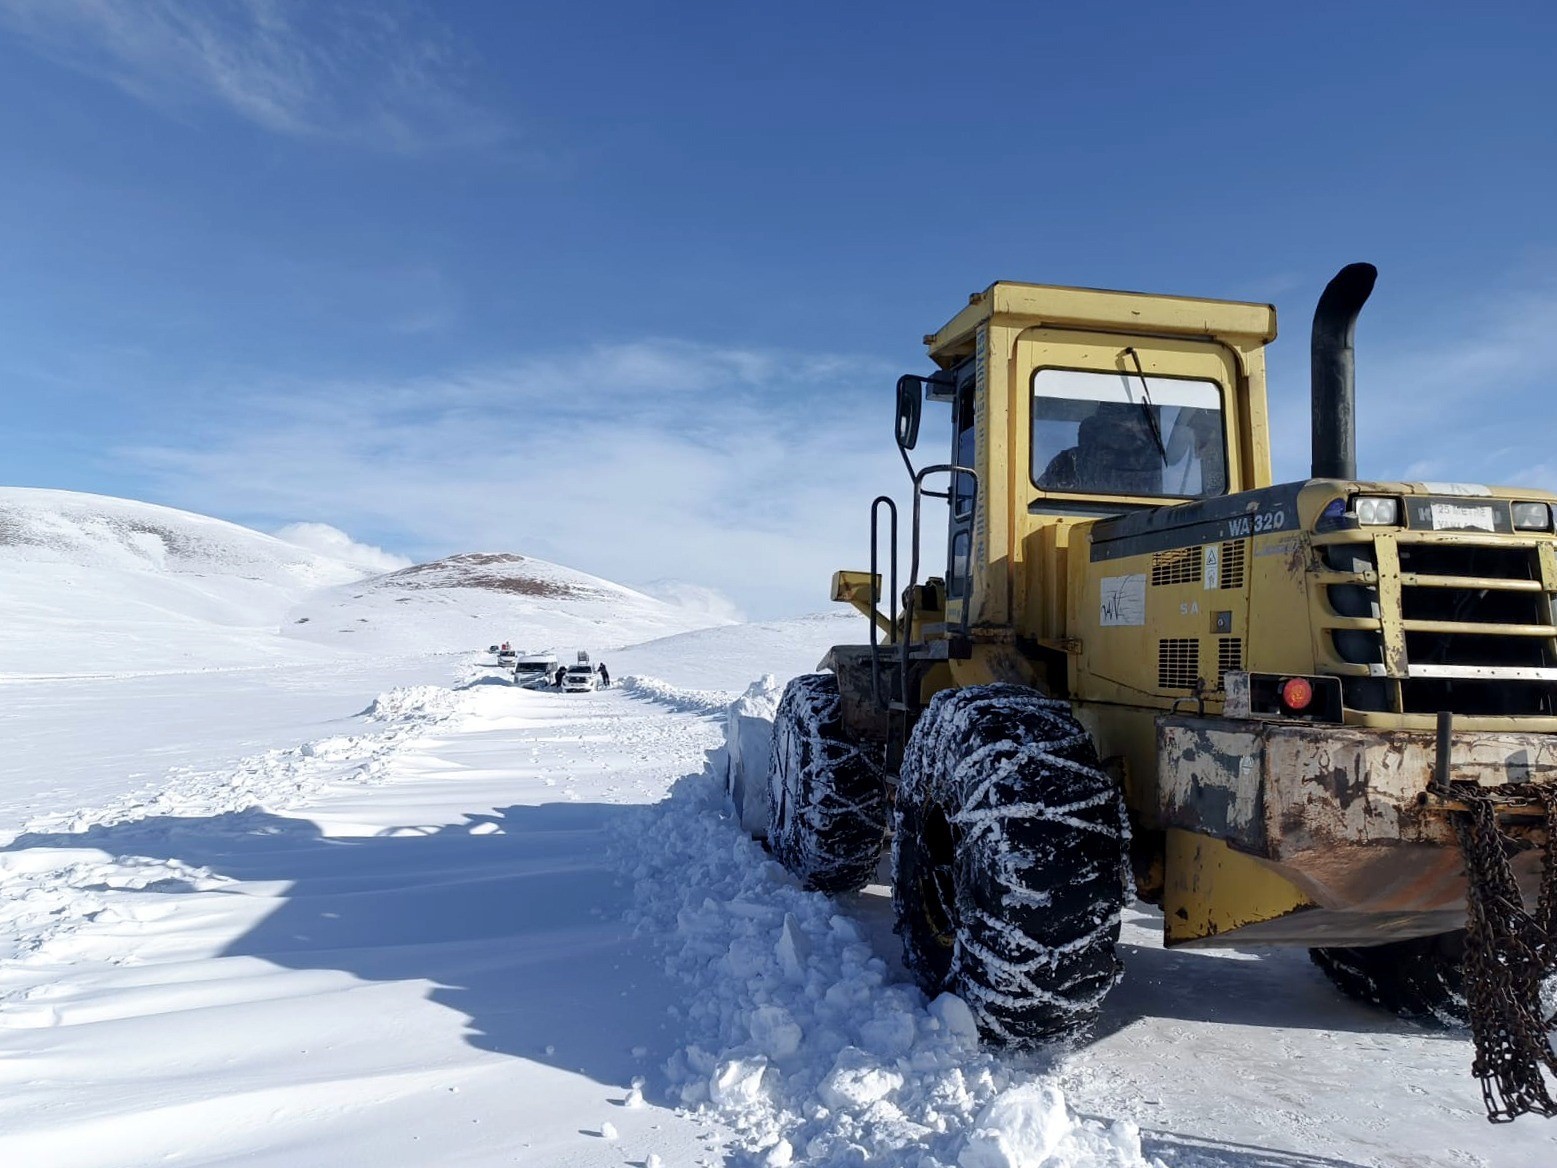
[515, 917]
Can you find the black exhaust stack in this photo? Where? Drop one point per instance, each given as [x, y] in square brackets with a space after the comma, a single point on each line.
[1332, 370]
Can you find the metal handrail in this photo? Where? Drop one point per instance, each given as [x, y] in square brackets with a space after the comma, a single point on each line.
[913, 572]
[875, 541]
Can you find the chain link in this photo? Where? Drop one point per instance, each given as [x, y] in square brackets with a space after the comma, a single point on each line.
[1508, 954]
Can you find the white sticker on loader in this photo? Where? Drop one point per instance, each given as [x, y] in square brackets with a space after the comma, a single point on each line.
[1123, 600]
[1452, 515]
[1213, 566]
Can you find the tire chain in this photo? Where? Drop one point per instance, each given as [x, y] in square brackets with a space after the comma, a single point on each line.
[1508, 953]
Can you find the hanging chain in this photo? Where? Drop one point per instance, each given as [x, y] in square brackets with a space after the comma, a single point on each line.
[1508, 955]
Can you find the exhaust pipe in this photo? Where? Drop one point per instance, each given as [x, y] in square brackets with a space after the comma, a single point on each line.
[1332, 371]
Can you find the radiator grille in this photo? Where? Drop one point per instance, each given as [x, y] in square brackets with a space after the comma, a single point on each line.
[1229, 657]
[1233, 563]
[1176, 566]
[1477, 628]
[1178, 662]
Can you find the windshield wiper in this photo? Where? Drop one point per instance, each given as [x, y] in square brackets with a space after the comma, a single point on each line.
[1147, 408]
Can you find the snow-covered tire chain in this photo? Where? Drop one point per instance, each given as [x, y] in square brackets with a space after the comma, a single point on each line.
[1420, 978]
[827, 797]
[1007, 862]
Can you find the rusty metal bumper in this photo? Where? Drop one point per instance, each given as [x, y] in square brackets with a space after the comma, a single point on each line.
[1347, 815]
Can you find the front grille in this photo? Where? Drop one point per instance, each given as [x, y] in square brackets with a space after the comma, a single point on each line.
[1475, 622]
[1178, 662]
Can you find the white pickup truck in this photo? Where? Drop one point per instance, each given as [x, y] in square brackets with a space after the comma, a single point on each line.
[580, 678]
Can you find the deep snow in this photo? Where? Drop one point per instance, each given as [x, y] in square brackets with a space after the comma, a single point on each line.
[258, 915]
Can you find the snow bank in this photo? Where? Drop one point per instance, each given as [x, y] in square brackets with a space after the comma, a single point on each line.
[748, 737]
[420, 704]
[677, 698]
[798, 1037]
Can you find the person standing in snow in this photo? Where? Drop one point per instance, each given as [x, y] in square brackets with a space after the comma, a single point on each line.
[605, 678]
[561, 672]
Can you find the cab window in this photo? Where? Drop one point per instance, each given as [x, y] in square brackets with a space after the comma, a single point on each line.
[1120, 434]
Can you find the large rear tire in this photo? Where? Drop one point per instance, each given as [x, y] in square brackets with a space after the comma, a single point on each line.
[1008, 862]
[1420, 978]
[827, 796]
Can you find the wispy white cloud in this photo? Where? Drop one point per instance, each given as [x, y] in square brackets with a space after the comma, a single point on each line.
[380, 73]
[333, 542]
[747, 472]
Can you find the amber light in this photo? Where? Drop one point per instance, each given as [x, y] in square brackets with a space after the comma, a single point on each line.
[1296, 693]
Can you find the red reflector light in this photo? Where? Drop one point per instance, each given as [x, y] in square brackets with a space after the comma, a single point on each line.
[1296, 693]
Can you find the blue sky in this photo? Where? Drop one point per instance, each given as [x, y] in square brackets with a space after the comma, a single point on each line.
[627, 285]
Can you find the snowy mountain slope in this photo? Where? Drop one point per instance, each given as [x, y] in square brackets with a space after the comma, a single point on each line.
[90, 583]
[730, 657]
[470, 601]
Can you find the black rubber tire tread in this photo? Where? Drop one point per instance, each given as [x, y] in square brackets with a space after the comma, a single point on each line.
[827, 796]
[1420, 978]
[1006, 784]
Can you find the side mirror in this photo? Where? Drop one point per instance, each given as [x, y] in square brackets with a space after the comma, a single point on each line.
[910, 401]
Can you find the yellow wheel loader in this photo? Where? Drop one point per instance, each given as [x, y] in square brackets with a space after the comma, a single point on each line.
[1318, 713]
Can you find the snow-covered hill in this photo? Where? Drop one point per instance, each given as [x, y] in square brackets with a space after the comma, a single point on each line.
[730, 657]
[473, 600]
[90, 583]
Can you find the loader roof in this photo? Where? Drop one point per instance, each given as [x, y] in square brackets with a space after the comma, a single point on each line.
[1099, 309]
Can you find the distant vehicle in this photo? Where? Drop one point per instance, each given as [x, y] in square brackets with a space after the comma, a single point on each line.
[579, 679]
[535, 670]
[506, 654]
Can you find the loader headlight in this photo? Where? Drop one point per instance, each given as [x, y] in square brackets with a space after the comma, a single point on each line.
[1532, 517]
[1374, 511]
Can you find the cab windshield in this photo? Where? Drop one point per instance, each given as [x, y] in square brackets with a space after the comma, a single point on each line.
[1122, 434]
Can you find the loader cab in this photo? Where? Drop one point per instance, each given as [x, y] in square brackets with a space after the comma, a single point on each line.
[1070, 405]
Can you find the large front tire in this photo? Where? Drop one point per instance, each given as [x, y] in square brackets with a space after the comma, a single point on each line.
[1008, 862]
[1421, 978]
[827, 797]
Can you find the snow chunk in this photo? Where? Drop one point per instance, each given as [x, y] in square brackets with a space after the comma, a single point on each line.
[608, 1131]
[856, 1081]
[1030, 1127]
[738, 1081]
[955, 1018]
[775, 1031]
[792, 949]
